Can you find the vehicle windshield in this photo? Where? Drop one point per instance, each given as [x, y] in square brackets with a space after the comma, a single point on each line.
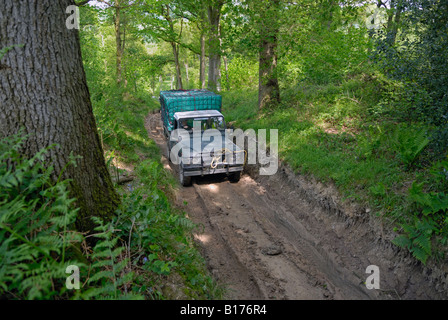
[205, 123]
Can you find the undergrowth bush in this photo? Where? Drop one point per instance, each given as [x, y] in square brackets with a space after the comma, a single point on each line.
[409, 142]
[36, 216]
[158, 241]
[133, 254]
[427, 225]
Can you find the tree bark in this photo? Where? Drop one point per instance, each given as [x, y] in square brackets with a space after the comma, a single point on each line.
[44, 92]
[268, 89]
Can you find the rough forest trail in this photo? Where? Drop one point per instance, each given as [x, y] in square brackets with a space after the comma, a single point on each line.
[264, 240]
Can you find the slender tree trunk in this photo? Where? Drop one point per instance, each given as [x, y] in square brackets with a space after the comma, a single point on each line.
[268, 90]
[202, 28]
[202, 62]
[214, 74]
[175, 47]
[44, 92]
[396, 24]
[226, 68]
[393, 21]
[123, 46]
[187, 72]
[118, 41]
[331, 8]
[166, 13]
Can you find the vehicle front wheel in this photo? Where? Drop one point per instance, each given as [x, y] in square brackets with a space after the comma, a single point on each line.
[168, 151]
[184, 181]
[235, 177]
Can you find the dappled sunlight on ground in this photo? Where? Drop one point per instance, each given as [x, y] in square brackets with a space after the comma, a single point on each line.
[328, 128]
[203, 238]
[213, 188]
[166, 164]
[129, 168]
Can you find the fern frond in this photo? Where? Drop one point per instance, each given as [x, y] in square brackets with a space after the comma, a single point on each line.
[420, 254]
[402, 241]
[185, 223]
[423, 242]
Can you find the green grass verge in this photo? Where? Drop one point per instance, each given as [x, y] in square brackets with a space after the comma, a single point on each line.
[343, 134]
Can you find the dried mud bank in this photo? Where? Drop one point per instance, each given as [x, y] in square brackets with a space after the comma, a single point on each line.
[356, 236]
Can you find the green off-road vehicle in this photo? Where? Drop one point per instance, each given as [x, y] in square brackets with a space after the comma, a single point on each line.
[197, 138]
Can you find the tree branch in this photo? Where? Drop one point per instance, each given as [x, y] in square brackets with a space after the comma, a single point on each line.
[82, 3]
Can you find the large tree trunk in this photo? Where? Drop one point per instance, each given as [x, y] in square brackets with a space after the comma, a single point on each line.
[214, 68]
[268, 89]
[44, 91]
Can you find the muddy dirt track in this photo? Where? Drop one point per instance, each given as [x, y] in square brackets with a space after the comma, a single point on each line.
[283, 237]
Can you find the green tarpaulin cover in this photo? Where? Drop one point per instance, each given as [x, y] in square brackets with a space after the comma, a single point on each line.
[186, 100]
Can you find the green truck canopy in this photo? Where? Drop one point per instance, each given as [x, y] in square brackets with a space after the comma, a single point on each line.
[186, 100]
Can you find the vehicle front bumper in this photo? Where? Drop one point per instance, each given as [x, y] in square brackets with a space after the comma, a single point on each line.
[199, 170]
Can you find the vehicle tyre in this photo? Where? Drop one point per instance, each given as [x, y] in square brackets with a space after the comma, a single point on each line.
[235, 177]
[184, 181]
[168, 150]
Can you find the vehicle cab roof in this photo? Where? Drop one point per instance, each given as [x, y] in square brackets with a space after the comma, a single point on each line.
[197, 114]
